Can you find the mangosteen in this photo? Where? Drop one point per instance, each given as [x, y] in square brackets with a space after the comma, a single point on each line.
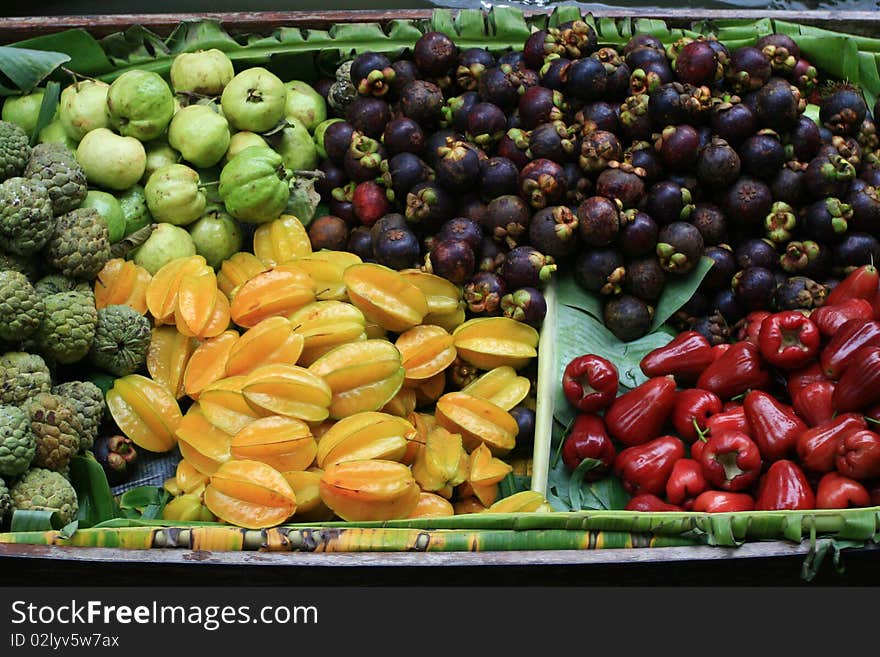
[807, 258]
[733, 121]
[679, 247]
[360, 242]
[371, 73]
[709, 219]
[687, 180]
[805, 77]
[781, 223]
[507, 219]
[638, 233]
[855, 250]
[455, 112]
[646, 162]
[756, 252]
[781, 50]
[491, 255]
[539, 45]
[526, 305]
[598, 220]
[799, 293]
[788, 186]
[586, 80]
[696, 306]
[578, 186]
[667, 201]
[539, 105]
[724, 301]
[755, 288]
[697, 63]
[645, 279]
[722, 270]
[842, 109]
[636, 56]
[514, 145]
[617, 71]
[718, 165]
[462, 228]
[429, 206]
[452, 259]
[363, 159]
[423, 102]
[483, 293]
[826, 221]
[762, 155]
[525, 266]
[601, 271]
[472, 63]
[554, 231]
[778, 105]
[500, 86]
[397, 248]
[553, 141]
[749, 200]
[525, 423]
[542, 182]
[486, 124]
[337, 139]
[340, 204]
[457, 167]
[601, 114]
[623, 184]
[628, 317]
[328, 232]
[369, 115]
[804, 139]
[403, 135]
[435, 54]
[117, 455]
[749, 69]
[438, 139]
[666, 106]
[402, 172]
[387, 222]
[865, 203]
[714, 327]
[650, 76]
[577, 37]
[472, 207]
[334, 176]
[597, 149]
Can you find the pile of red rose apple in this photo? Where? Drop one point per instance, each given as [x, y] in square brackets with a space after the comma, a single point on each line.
[783, 418]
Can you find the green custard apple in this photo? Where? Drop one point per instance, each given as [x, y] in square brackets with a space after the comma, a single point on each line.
[141, 104]
[254, 185]
[43, 489]
[205, 72]
[83, 108]
[200, 134]
[56, 167]
[166, 243]
[23, 110]
[217, 235]
[254, 100]
[111, 161]
[15, 149]
[304, 105]
[174, 196]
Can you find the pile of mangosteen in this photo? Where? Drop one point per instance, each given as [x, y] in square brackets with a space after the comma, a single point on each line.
[621, 166]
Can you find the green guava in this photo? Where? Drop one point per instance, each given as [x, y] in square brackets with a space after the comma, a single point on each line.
[200, 134]
[318, 136]
[23, 110]
[159, 154]
[254, 185]
[141, 104]
[217, 235]
[254, 100]
[133, 202]
[54, 133]
[110, 160]
[174, 196]
[297, 147]
[110, 210]
[241, 140]
[83, 108]
[167, 242]
[204, 72]
[304, 105]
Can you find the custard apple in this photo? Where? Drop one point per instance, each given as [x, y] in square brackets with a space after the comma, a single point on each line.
[68, 327]
[30, 267]
[21, 309]
[22, 375]
[80, 246]
[62, 176]
[17, 441]
[88, 400]
[40, 488]
[122, 338]
[15, 149]
[5, 504]
[26, 220]
[54, 283]
[57, 429]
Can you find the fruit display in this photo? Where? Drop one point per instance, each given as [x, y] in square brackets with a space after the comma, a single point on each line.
[576, 271]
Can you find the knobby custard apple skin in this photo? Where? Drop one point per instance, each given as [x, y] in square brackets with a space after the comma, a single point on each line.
[26, 219]
[80, 245]
[18, 443]
[30, 267]
[57, 429]
[14, 150]
[5, 503]
[39, 488]
[122, 339]
[56, 167]
[22, 375]
[55, 283]
[65, 335]
[21, 309]
[88, 400]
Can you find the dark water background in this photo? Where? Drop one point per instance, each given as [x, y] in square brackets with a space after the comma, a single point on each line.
[73, 7]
